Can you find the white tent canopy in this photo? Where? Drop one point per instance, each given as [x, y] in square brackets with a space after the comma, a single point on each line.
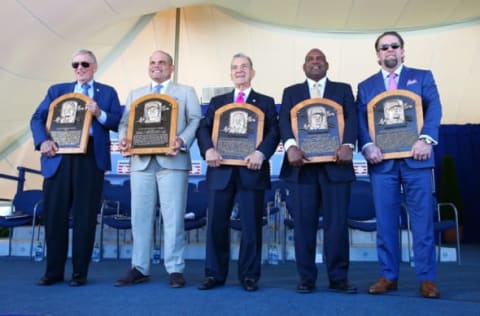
[39, 37]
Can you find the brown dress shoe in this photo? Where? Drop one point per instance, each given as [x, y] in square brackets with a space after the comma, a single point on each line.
[133, 277]
[429, 290]
[383, 285]
[177, 280]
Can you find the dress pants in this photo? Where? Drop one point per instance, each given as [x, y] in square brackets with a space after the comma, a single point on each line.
[75, 189]
[417, 184]
[218, 231]
[171, 188]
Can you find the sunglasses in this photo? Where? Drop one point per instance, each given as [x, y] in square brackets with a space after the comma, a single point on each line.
[84, 64]
[385, 47]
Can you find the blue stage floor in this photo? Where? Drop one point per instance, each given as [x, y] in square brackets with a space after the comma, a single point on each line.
[19, 294]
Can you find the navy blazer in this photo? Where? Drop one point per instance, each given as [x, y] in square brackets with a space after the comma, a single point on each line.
[106, 98]
[218, 178]
[336, 91]
[418, 81]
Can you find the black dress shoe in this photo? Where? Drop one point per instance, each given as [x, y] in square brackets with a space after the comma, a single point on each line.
[250, 285]
[342, 287]
[209, 283]
[133, 277]
[44, 280]
[305, 287]
[77, 280]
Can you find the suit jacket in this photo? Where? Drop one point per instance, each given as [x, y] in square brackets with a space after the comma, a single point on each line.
[219, 177]
[335, 91]
[189, 114]
[106, 98]
[418, 81]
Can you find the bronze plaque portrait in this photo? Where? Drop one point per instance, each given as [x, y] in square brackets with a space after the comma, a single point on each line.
[152, 124]
[318, 128]
[237, 131]
[68, 123]
[395, 119]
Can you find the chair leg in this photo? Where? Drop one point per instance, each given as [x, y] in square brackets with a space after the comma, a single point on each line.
[118, 244]
[10, 236]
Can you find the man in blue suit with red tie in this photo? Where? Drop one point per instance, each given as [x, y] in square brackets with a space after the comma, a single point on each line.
[247, 182]
[73, 183]
[414, 173]
[320, 185]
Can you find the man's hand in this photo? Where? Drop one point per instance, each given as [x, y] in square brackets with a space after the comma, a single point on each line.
[343, 155]
[421, 150]
[124, 145]
[296, 156]
[373, 154]
[48, 148]
[93, 108]
[177, 145]
[255, 160]
[213, 158]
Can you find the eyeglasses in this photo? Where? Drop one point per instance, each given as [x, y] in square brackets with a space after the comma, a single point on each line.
[84, 64]
[385, 47]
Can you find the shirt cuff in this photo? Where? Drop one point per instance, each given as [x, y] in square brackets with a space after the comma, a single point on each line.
[289, 143]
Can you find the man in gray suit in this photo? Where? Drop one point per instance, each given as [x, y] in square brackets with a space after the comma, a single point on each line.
[161, 177]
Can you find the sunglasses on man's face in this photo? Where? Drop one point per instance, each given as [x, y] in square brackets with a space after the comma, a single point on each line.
[385, 47]
[84, 64]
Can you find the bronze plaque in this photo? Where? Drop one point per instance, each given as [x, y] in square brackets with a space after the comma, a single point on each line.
[318, 128]
[395, 119]
[237, 131]
[152, 124]
[68, 123]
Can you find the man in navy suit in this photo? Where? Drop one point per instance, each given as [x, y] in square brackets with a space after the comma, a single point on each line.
[247, 182]
[320, 185]
[73, 182]
[414, 173]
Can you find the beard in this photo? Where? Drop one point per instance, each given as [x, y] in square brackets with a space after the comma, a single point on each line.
[391, 63]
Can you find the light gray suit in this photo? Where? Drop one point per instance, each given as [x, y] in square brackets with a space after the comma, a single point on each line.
[166, 176]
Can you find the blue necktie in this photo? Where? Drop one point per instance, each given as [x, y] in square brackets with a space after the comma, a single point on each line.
[85, 87]
[157, 88]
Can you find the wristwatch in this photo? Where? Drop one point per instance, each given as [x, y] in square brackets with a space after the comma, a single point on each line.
[426, 140]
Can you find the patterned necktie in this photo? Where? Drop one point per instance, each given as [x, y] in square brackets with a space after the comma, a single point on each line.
[392, 83]
[240, 97]
[315, 93]
[85, 87]
[157, 88]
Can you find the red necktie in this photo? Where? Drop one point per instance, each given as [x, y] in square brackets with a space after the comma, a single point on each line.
[240, 98]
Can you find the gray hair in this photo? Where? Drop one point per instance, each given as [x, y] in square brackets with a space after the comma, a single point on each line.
[85, 52]
[242, 55]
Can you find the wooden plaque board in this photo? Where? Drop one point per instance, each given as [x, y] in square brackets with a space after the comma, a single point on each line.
[68, 123]
[395, 119]
[152, 124]
[318, 128]
[237, 131]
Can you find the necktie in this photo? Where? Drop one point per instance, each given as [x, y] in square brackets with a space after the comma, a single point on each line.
[157, 88]
[240, 97]
[85, 87]
[392, 83]
[315, 93]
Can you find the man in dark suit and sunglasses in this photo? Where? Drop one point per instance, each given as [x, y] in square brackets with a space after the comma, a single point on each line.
[414, 174]
[73, 182]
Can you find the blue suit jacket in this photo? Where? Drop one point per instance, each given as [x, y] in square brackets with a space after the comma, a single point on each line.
[106, 98]
[335, 91]
[219, 177]
[418, 81]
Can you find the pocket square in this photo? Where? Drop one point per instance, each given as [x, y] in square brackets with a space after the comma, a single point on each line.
[411, 81]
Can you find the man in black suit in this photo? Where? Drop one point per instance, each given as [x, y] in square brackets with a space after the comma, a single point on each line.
[315, 185]
[247, 182]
